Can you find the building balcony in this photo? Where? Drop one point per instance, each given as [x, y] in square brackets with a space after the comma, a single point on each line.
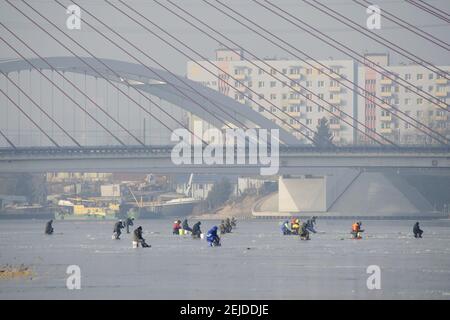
[295, 76]
[335, 100]
[440, 118]
[334, 75]
[441, 93]
[442, 105]
[240, 76]
[335, 89]
[386, 130]
[293, 113]
[335, 126]
[386, 81]
[441, 81]
[241, 89]
[386, 94]
[386, 118]
[295, 101]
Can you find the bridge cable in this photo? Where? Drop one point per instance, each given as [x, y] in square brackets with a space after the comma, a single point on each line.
[7, 140]
[298, 50]
[310, 64]
[291, 87]
[408, 26]
[107, 67]
[379, 39]
[152, 59]
[388, 74]
[305, 61]
[431, 10]
[42, 110]
[29, 118]
[58, 87]
[420, 124]
[245, 50]
[441, 11]
[215, 75]
[247, 87]
[75, 87]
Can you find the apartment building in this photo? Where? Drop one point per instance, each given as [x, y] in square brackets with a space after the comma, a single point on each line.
[296, 94]
[288, 92]
[397, 99]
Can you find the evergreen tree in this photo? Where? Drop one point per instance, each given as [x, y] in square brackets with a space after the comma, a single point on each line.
[323, 137]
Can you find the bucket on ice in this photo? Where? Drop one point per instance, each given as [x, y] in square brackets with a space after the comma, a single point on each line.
[202, 236]
[180, 232]
[135, 244]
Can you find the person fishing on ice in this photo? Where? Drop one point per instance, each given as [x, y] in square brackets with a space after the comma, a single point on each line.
[212, 238]
[138, 239]
[117, 231]
[356, 230]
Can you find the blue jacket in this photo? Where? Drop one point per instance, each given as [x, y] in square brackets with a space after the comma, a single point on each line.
[212, 234]
[284, 226]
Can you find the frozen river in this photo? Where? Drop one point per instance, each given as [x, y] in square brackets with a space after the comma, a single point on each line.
[255, 262]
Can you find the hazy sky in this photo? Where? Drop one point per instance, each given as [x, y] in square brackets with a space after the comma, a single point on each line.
[177, 62]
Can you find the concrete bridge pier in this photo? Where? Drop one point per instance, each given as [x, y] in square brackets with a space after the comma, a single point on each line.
[345, 193]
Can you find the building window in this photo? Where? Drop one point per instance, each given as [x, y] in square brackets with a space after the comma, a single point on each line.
[273, 84]
[419, 76]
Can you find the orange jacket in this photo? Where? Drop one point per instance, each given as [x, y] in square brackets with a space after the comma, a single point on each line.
[355, 227]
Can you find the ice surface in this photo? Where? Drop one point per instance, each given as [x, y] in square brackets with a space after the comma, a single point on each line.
[255, 262]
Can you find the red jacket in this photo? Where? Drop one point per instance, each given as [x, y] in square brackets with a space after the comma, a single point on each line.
[176, 226]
